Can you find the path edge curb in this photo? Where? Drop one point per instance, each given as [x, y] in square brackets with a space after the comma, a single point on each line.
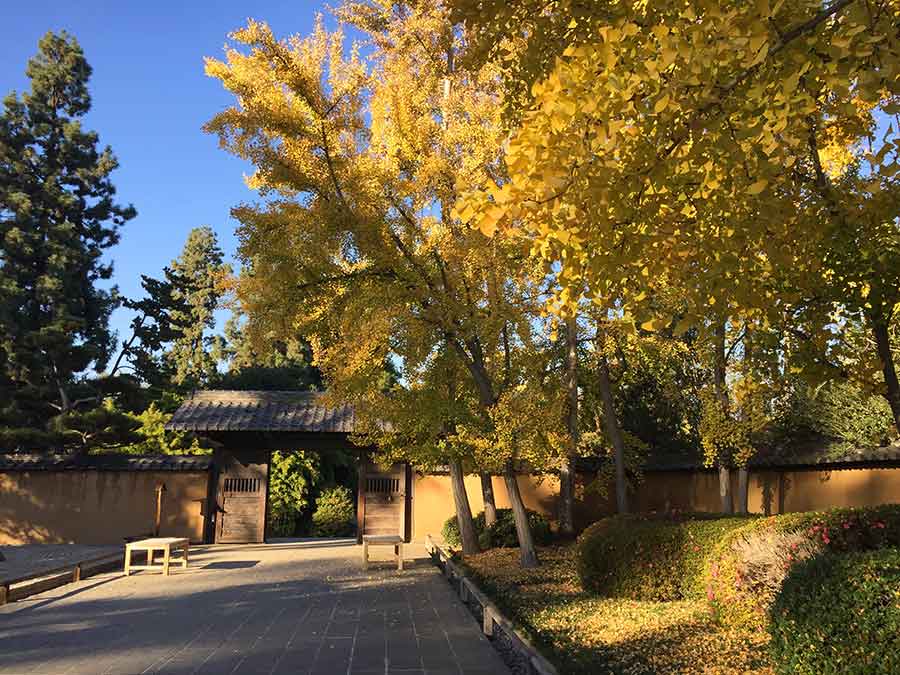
[493, 619]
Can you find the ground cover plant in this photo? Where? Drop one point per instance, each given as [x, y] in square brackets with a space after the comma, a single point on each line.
[583, 633]
[650, 557]
[502, 534]
[839, 613]
[744, 573]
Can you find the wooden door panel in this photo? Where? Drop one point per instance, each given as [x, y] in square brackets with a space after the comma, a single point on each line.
[385, 501]
[242, 497]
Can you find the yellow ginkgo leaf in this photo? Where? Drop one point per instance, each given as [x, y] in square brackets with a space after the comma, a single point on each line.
[661, 104]
[757, 187]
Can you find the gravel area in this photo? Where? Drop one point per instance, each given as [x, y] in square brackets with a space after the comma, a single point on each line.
[32, 558]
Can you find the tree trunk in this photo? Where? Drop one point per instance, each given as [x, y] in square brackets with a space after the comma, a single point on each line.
[463, 510]
[725, 489]
[527, 554]
[490, 506]
[614, 431]
[719, 373]
[567, 470]
[883, 344]
[741, 505]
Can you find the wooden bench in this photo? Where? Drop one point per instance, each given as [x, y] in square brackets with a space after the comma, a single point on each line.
[163, 544]
[394, 540]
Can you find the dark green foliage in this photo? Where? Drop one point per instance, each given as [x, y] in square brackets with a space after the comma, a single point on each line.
[292, 476]
[335, 514]
[839, 614]
[58, 216]
[838, 413]
[282, 365]
[650, 558]
[738, 600]
[503, 533]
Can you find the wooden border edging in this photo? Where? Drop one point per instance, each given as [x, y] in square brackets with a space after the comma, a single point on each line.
[494, 624]
[54, 577]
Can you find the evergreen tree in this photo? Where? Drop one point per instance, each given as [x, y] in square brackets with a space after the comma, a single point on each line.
[58, 215]
[278, 365]
[171, 345]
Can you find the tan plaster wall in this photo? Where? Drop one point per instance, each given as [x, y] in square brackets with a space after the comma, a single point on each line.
[772, 491]
[432, 502]
[98, 507]
[769, 492]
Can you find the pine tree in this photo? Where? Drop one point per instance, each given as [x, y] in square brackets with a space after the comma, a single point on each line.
[58, 215]
[170, 344]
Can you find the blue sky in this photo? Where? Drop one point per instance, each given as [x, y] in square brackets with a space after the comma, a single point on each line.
[150, 99]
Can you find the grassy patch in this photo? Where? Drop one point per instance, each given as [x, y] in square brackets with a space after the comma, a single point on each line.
[582, 633]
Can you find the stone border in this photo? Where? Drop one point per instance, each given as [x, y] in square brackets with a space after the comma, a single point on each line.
[515, 649]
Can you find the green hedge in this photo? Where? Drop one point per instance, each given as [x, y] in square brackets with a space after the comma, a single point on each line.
[745, 572]
[650, 557]
[839, 614]
[503, 533]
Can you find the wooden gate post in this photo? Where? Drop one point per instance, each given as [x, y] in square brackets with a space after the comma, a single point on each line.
[361, 500]
[160, 488]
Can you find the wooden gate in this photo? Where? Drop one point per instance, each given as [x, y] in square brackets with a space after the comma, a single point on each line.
[241, 499]
[385, 497]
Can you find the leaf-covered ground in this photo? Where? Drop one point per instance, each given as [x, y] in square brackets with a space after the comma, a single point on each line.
[582, 633]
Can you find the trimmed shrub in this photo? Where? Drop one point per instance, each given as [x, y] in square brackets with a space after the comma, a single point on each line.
[739, 587]
[334, 515]
[650, 557]
[839, 614]
[501, 534]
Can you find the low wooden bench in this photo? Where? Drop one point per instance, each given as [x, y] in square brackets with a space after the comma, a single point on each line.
[394, 540]
[163, 544]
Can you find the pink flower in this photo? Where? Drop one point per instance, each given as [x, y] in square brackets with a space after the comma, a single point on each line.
[846, 526]
[714, 570]
[826, 539]
[710, 595]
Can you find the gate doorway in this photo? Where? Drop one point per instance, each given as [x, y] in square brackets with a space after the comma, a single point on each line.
[241, 497]
[246, 426]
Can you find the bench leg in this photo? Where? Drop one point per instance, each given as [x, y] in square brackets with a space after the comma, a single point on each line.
[184, 560]
[127, 560]
[365, 555]
[150, 556]
[400, 556]
[166, 555]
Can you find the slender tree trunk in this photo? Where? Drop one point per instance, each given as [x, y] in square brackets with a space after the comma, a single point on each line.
[527, 553]
[719, 372]
[490, 506]
[741, 505]
[463, 510]
[567, 470]
[883, 345]
[613, 431]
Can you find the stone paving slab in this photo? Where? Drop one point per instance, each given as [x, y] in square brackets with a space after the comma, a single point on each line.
[297, 607]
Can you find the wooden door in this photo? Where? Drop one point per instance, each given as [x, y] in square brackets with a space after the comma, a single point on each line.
[243, 479]
[385, 501]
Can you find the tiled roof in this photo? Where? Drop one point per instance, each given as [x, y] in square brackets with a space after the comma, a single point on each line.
[104, 462]
[810, 454]
[220, 410]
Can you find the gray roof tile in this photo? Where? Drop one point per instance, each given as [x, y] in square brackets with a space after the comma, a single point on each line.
[222, 410]
[104, 462]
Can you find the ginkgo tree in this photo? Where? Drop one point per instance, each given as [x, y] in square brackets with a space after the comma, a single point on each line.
[356, 248]
[744, 150]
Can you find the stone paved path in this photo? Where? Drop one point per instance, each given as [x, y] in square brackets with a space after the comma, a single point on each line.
[284, 608]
